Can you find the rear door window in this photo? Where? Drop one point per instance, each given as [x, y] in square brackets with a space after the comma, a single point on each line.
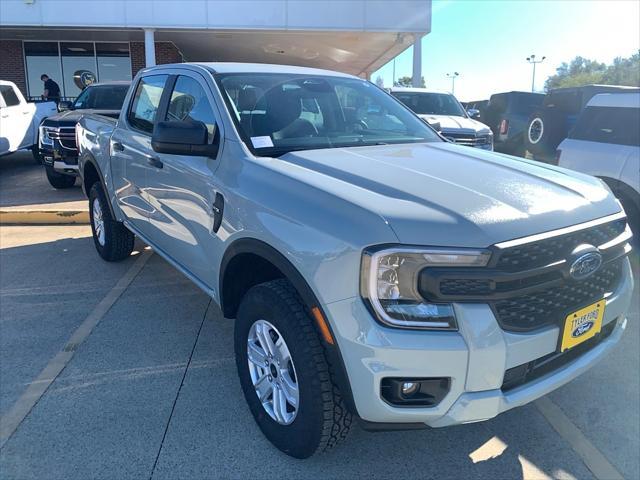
[142, 114]
[620, 126]
[9, 96]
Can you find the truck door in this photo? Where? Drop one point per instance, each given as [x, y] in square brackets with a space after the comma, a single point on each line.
[184, 191]
[131, 152]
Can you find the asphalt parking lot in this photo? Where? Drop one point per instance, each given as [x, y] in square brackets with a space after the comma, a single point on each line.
[139, 381]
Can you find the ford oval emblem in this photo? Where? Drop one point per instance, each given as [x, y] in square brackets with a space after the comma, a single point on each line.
[582, 329]
[585, 265]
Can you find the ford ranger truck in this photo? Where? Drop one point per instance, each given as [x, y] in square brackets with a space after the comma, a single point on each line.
[375, 272]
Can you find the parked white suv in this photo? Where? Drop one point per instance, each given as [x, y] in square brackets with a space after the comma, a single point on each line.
[444, 112]
[19, 119]
[606, 143]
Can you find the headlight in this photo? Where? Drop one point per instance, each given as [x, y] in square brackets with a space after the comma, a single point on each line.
[389, 282]
[43, 136]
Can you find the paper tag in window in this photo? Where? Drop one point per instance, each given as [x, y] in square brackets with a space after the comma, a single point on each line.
[261, 142]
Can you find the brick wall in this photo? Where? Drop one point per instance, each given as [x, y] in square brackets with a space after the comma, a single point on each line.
[12, 64]
[166, 52]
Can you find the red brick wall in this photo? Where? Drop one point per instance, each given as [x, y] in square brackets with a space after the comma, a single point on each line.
[166, 52]
[12, 63]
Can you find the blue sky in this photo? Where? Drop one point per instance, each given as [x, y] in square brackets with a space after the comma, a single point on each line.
[487, 41]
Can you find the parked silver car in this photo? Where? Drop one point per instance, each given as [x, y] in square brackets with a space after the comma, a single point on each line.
[374, 270]
[443, 111]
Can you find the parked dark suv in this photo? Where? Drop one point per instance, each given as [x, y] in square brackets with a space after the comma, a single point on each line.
[552, 122]
[507, 114]
[57, 135]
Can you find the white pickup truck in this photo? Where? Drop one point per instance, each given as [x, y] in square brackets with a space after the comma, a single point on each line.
[19, 119]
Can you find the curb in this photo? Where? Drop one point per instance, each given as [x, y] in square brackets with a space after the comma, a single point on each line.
[12, 216]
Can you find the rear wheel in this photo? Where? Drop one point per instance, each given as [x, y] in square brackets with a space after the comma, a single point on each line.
[59, 180]
[284, 374]
[112, 239]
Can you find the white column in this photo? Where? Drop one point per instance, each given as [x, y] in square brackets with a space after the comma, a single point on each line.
[149, 47]
[417, 62]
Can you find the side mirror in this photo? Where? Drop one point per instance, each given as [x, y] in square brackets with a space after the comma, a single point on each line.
[435, 125]
[184, 138]
[64, 106]
[474, 113]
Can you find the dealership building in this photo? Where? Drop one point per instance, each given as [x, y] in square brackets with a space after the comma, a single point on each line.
[113, 39]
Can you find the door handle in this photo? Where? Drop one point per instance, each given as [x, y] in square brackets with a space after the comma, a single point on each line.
[154, 161]
[117, 147]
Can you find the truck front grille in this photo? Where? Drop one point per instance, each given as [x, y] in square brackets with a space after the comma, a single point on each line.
[543, 252]
[469, 139]
[553, 304]
[528, 285]
[65, 136]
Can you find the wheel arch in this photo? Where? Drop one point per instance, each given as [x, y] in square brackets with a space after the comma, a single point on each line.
[257, 255]
[91, 173]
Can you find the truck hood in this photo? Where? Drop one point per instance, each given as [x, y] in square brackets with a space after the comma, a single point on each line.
[69, 118]
[455, 123]
[441, 194]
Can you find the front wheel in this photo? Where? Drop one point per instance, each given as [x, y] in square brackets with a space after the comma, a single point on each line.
[59, 180]
[112, 239]
[284, 374]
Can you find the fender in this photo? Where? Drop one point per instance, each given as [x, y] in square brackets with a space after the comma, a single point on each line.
[266, 251]
[88, 158]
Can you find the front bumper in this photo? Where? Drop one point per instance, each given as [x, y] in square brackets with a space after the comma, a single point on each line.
[475, 358]
[62, 160]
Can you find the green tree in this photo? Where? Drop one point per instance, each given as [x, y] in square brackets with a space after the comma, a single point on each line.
[407, 82]
[582, 71]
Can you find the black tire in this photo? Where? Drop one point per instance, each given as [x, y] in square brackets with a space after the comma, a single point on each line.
[544, 132]
[35, 151]
[118, 240]
[632, 209]
[323, 419]
[59, 180]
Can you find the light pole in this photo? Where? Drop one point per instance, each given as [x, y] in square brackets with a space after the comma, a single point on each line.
[532, 60]
[453, 77]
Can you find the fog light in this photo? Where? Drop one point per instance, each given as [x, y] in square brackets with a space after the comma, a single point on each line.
[416, 392]
[409, 388]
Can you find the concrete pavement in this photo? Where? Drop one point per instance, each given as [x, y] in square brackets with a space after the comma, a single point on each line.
[27, 198]
[153, 393]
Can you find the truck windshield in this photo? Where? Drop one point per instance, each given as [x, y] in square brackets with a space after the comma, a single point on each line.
[101, 97]
[424, 103]
[278, 113]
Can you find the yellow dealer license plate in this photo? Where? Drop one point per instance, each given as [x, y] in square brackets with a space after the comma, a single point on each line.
[582, 325]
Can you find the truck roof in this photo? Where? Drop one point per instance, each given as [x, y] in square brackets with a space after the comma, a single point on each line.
[237, 67]
[417, 90]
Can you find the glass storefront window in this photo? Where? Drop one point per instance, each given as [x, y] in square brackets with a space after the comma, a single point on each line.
[73, 65]
[78, 66]
[113, 61]
[42, 57]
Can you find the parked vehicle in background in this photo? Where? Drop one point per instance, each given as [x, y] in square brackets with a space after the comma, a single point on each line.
[507, 114]
[551, 123]
[443, 111]
[19, 119]
[57, 137]
[480, 106]
[606, 143]
[373, 269]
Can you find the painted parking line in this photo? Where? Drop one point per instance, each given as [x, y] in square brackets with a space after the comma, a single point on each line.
[593, 458]
[14, 417]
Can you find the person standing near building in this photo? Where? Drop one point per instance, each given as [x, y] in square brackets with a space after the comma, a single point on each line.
[51, 89]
